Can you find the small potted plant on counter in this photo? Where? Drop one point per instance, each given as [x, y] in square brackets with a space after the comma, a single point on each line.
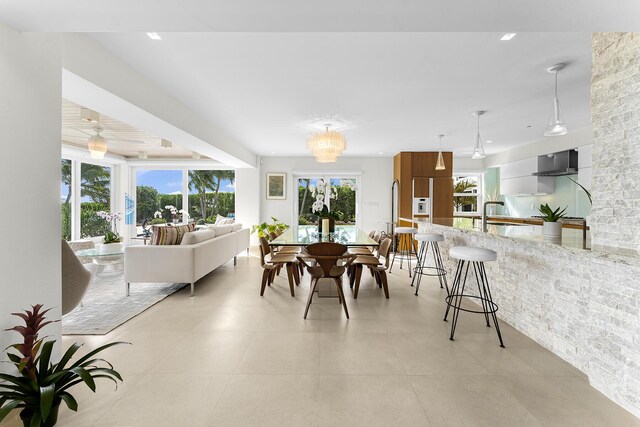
[38, 387]
[551, 228]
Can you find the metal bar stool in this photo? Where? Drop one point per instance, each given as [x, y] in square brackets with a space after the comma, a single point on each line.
[405, 248]
[468, 256]
[429, 240]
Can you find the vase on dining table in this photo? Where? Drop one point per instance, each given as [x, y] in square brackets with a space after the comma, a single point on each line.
[332, 225]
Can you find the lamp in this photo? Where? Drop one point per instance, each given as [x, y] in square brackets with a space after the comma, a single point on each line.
[440, 162]
[478, 149]
[557, 126]
[97, 146]
[327, 146]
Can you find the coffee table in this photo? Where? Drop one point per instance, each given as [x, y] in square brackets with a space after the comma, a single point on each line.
[102, 259]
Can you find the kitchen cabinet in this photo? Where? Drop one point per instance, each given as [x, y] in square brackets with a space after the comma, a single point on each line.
[516, 179]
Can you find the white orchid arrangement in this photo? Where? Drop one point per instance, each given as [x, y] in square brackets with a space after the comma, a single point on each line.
[175, 213]
[157, 214]
[112, 219]
[320, 192]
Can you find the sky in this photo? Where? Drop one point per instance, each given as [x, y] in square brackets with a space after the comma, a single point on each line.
[170, 181]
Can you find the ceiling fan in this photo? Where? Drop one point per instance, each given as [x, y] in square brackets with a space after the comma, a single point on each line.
[98, 143]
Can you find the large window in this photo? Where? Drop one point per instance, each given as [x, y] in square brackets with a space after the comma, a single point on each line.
[211, 193]
[341, 199]
[466, 194]
[85, 189]
[159, 195]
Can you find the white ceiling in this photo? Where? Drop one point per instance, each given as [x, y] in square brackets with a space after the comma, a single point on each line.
[328, 15]
[75, 133]
[397, 89]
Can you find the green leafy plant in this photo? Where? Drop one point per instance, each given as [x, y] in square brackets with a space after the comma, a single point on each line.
[156, 221]
[111, 237]
[550, 215]
[265, 228]
[40, 386]
[583, 189]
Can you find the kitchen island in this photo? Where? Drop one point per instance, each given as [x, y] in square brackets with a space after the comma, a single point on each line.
[581, 304]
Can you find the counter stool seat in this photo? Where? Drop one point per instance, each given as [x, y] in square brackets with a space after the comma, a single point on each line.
[429, 240]
[404, 246]
[429, 237]
[474, 258]
[470, 253]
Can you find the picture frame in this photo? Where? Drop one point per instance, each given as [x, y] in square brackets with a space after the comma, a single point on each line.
[276, 186]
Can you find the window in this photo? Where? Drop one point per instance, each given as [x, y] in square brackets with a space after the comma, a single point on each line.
[155, 190]
[342, 200]
[211, 193]
[85, 189]
[95, 193]
[466, 194]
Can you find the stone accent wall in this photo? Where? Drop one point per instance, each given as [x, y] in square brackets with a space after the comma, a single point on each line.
[615, 116]
[582, 305]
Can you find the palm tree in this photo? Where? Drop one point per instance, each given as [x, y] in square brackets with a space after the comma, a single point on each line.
[201, 181]
[66, 177]
[95, 182]
[461, 187]
[220, 176]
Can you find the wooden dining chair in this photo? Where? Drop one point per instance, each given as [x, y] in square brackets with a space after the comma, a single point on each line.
[375, 266]
[271, 263]
[326, 256]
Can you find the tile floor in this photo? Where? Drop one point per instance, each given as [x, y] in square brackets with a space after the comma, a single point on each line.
[230, 357]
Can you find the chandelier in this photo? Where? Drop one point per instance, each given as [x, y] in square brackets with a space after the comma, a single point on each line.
[326, 146]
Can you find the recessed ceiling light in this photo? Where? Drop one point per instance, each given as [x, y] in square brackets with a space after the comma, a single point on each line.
[154, 36]
[508, 36]
[381, 153]
[488, 142]
[273, 152]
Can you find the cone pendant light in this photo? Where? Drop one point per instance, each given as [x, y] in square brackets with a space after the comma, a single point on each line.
[440, 162]
[478, 149]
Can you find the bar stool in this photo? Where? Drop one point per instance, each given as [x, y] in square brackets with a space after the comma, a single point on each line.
[429, 240]
[471, 256]
[404, 245]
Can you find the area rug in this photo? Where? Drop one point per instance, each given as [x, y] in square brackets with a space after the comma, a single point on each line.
[105, 306]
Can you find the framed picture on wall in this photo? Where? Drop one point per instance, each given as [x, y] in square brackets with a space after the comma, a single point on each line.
[276, 186]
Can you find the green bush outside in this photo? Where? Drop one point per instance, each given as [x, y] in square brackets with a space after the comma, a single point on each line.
[91, 225]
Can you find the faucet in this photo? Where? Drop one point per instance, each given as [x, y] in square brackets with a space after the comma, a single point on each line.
[484, 213]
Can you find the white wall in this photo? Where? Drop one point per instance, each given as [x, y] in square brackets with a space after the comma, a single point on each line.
[30, 84]
[248, 198]
[467, 165]
[375, 186]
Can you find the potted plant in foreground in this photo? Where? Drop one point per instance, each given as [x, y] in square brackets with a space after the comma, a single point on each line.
[39, 386]
[551, 227]
[264, 229]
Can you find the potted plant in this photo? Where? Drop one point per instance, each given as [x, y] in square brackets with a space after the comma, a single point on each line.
[264, 229]
[40, 386]
[112, 242]
[551, 227]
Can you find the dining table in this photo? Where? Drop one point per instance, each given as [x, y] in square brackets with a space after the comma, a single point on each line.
[348, 235]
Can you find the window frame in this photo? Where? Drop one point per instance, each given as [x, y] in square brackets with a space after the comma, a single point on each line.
[326, 176]
[478, 194]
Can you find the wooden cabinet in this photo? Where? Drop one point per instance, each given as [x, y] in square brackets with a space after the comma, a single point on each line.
[413, 170]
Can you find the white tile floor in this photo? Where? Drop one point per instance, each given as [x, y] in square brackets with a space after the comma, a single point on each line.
[230, 357]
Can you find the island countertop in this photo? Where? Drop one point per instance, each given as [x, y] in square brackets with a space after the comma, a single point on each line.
[571, 238]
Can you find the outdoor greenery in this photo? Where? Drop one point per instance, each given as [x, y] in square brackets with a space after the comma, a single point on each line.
[464, 203]
[38, 386]
[343, 207]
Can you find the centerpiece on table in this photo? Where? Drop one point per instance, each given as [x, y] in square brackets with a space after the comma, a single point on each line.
[326, 219]
[551, 228]
[38, 386]
[112, 240]
[176, 215]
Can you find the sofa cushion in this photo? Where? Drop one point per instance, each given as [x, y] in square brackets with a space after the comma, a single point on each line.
[236, 226]
[163, 235]
[221, 230]
[169, 235]
[193, 237]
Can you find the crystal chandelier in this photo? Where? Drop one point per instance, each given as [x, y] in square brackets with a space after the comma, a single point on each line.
[326, 146]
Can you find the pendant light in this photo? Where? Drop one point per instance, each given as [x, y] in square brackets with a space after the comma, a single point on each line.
[556, 125]
[97, 144]
[478, 149]
[440, 162]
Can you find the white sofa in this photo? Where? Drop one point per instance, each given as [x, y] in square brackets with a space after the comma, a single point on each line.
[199, 254]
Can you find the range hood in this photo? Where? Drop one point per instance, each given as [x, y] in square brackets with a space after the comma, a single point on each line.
[558, 164]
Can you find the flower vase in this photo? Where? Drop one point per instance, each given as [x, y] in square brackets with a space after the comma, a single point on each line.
[332, 225]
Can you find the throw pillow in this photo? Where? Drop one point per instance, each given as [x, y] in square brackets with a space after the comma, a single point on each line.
[219, 219]
[163, 235]
[184, 229]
